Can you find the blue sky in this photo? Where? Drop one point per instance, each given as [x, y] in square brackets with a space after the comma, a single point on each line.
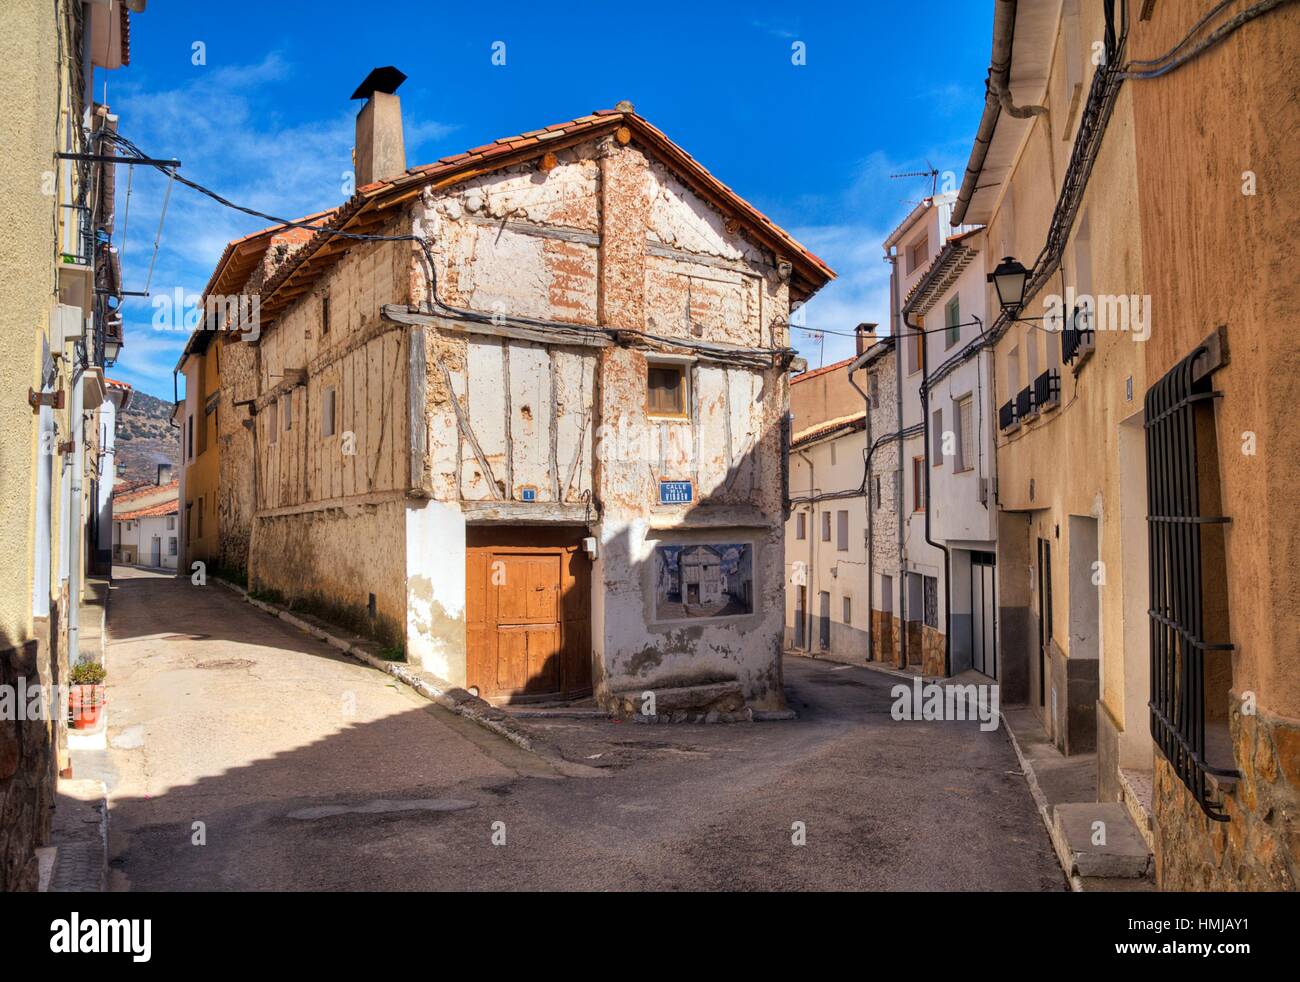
[266, 121]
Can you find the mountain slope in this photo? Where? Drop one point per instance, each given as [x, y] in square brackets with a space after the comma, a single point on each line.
[145, 438]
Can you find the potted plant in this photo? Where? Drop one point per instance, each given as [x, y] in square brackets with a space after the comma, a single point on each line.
[86, 694]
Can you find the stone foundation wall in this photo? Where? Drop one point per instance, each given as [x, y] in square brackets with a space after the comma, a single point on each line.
[28, 769]
[1259, 848]
[884, 637]
[932, 644]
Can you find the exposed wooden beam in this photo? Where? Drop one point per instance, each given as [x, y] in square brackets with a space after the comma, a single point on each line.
[559, 337]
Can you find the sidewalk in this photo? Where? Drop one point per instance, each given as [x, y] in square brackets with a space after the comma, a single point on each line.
[1099, 845]
[77, 859]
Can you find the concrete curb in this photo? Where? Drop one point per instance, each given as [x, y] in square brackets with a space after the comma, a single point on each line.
[871, 665]
[1059, 845]
[428, 685]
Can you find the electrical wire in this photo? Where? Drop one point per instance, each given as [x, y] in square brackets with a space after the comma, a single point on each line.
[1219, 34]
[431, 276]
[157, 239]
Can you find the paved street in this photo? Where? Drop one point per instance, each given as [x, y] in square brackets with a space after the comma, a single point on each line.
[310, 771]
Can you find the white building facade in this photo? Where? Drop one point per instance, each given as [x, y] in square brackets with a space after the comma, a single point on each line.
[949, 302]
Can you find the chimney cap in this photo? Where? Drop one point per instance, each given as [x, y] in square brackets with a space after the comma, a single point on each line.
[386, 79]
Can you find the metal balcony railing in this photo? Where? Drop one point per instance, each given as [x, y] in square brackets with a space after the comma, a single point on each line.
[1077, 340]
[83, 236]
[1025, 404]
[1007, 416]
[1047, 389]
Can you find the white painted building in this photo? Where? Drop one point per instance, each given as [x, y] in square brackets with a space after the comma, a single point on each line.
[117, 397]
[843, 475]
[920, 595]
[145, 527]
[950, 300]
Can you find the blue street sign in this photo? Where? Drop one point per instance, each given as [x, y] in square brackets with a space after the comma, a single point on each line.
[675, 492]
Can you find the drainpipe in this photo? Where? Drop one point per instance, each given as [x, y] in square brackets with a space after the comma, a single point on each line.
[929, 538]
[857, 366]
[997, 100]
[74, 532]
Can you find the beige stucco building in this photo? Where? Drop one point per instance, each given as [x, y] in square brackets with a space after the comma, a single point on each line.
[54, 329]
[1146, 538]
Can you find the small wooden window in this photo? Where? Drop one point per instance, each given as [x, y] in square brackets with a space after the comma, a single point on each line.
[325, 314]
[327, 413]
[801, 526]
[848, 609]
[917, 253]
[288, 411]
[666, 389]
[918, 484]
[826, 526]
[842, 531]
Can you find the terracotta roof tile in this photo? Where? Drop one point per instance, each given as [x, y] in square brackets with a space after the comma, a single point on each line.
[813, 271]
[153, 511]
[830, 426]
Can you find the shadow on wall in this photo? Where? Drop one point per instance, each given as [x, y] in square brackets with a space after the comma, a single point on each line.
[28, 755]
[662, 601]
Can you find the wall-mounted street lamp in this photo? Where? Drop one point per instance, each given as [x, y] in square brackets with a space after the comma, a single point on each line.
[1009, 280]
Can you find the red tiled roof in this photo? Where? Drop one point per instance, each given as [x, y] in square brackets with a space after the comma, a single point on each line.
[805, 376]
[153, 511]
[237, 262]
[113, 383]
[364, 208]
[143, 492]
[855, 421]
[126, 34]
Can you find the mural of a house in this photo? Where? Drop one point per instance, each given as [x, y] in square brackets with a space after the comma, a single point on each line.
[700, 576]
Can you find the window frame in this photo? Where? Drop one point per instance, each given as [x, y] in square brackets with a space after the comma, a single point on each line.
[918, 484]
[682, 369]
[329, 412]
[918, 251]
[965, 416]
[952, 321]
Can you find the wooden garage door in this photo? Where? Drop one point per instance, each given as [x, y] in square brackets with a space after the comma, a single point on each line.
[529, 628]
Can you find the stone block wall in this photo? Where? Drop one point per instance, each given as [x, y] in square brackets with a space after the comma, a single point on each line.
[28, 768]
[1259, 847]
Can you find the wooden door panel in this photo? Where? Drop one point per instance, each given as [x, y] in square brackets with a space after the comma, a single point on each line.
[528, 613]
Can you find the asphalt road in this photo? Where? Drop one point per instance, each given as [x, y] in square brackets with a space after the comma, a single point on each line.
[308, 771]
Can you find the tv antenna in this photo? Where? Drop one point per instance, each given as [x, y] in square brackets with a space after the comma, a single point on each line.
[931, 172]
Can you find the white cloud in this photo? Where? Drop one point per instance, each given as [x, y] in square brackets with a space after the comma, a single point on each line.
[224, 126]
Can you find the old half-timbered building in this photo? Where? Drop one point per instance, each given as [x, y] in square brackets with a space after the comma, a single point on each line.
[494, 407]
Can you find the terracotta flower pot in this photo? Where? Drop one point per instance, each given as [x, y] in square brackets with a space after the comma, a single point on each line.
[84, 703]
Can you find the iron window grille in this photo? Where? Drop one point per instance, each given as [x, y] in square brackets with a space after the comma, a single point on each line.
[1177, 615]
[1047, 389]
[930, 594]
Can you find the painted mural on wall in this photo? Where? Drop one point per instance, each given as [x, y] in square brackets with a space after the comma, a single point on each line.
[706, 580]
